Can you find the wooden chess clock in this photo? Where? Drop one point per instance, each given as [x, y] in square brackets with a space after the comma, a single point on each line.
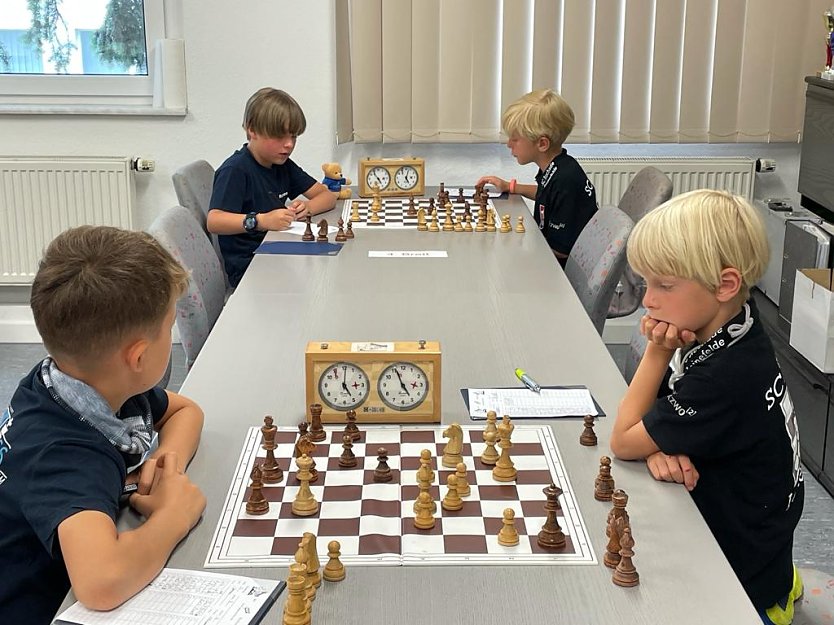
[392, 382]
[393, 176]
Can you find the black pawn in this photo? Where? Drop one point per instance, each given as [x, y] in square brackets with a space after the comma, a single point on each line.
[351, 429]
[347, 459]
[349, 232]
[340, 235]
[382, 473]
[588, 437]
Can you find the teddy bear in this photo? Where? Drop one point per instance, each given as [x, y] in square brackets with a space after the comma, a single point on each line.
[334, 180]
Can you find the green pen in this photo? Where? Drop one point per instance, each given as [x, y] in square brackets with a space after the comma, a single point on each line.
[528, 381]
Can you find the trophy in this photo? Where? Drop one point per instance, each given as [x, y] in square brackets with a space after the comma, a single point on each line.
[828, 16]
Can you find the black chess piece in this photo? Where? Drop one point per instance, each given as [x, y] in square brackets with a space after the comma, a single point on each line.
[382, 473]
[308, 230]
[348, 458]
[351, 429]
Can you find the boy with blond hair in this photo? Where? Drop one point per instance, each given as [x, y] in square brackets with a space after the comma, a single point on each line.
[708, 406]
[537, 126]
[252, 185]
[81, 423]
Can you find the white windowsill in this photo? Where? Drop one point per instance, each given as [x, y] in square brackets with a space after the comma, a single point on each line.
[90, 109]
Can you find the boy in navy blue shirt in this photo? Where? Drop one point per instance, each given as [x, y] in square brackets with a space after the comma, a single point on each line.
[79, 425]
[252, 185]
[564, 199]
[708, 406]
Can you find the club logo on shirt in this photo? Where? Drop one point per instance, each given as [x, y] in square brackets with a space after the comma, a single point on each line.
[778, 393]
[5, 424]
[589, 188]
[554, 226]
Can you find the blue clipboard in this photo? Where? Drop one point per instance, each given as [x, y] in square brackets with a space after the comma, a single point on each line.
[299, 248]
[465, 394]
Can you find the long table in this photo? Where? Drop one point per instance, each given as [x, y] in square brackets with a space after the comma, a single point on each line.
[499, 301]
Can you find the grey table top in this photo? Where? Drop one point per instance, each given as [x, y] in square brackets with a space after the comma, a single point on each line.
[499, 301]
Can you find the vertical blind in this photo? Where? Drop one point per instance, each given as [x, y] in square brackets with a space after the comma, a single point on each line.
[632, 70]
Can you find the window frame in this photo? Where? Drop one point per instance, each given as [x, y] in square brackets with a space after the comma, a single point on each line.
[95, 93]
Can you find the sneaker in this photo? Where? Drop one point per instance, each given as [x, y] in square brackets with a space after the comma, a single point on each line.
[781, 613]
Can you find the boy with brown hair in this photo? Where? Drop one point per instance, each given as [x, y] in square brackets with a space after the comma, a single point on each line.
[537, 125]
[252, 185]
[80, 424]
[708, 406]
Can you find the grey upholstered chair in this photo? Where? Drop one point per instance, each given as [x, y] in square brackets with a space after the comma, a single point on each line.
[597, 259]
[648, 190]
[636, 347]
[201, 304]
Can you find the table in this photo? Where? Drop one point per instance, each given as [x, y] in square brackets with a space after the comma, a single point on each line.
[499, 301]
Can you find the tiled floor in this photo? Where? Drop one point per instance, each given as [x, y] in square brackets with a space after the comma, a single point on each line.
[813, 546]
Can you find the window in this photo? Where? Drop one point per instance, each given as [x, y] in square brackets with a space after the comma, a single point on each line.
[632, 70]
[91, 56]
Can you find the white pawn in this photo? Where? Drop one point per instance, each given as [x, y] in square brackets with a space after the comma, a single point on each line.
[508, 536]
[463, 484]
[452, 500]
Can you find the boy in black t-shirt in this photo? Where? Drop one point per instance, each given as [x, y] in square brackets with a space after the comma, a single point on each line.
[565, 200]
[708, 406]
[78, 427]
[252, 185]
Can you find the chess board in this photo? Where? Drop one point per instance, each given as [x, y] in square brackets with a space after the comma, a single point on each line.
[375, 522]
[394, 212]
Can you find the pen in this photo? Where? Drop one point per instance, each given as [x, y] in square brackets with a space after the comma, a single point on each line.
[528, 381]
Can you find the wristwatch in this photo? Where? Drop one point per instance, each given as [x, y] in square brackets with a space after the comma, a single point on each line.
[250, 222]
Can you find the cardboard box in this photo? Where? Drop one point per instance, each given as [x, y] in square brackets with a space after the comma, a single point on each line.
[812, 325]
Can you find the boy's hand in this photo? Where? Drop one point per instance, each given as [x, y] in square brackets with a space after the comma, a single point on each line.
[664, 334]
[277, 219]
[499, 183]
[170, 490]
[676, 468]
[300, 208]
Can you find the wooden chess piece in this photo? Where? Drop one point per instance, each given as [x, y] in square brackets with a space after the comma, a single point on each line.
[452, 450]
[461, 197]
[382, 473]
[425, 460]
[505, 224]
[508, 536]
[301, 568]
[302, 432]
[588, 437]
[441, 194]
[412, 209]
[354, 211]
[312, 559]
[425, 477]
[463, 484]
[322, 237]
[257, 503]
[604, 483]
[625, 574]
[434, 226]
[519, 227]
[317, 433]
[551, 535]
[618, 511]
[351, 428]
[376, 206]
[424, 520]
[491, 422]
[334, 570]
[467, 223]
[271, 473]
[457, 224]
[305, 503]
[340, 235]
[504, 469]
[452, 500]
[349, 231]
[480, 225]
[295, 608]
[308, 230]
[448, 226]
[490, 221]
[490, 455]
[304, 445]
[348, 458]
[422, 226]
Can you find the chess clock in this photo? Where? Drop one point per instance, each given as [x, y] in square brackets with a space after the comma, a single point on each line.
[393, 176]
[384, 382]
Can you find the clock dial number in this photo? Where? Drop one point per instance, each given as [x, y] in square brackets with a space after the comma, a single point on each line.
[378, 177]
[406, 177]
[403, 386]
[343, 386]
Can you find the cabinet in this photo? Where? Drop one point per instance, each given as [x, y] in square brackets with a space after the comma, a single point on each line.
[816, 166]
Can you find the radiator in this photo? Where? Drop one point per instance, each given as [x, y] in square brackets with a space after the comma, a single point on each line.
[611, 176]
[42, 197]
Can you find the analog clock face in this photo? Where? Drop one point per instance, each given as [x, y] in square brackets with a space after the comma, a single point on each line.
[343, 386]
[403, 386]
[378, 177]
[406, 177]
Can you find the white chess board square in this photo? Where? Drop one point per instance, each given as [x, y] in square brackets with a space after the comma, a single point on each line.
[250, 545]
[478, 449]
[283, 450]
[348, 545]
[343, 477]
[484, 477]
[382, 492]
[422, 543]
[296, 526]
[386, 526]
[371, 462]
[273, 513]
[407, 509]
[523, 547]
[495, 509]
[531, 492]
[340, 509]
[529, 463]
[412, 450]
[464, 526]
[381, 436]
[525, 436]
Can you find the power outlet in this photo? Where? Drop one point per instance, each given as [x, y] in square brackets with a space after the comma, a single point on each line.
[144, 164]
